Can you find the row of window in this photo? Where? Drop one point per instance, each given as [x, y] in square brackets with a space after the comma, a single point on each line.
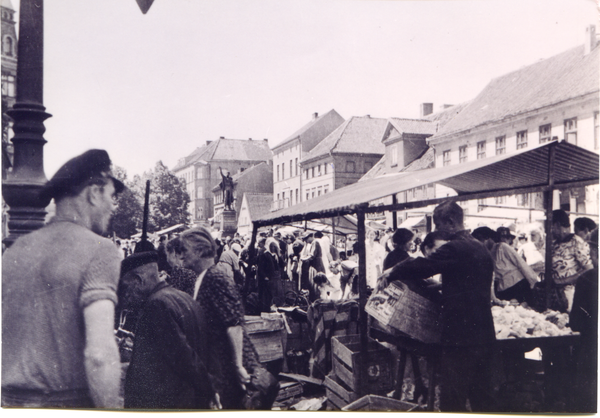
[316, 171]
[9, 85]
[290, 196]
[570, 131]
[293, 170]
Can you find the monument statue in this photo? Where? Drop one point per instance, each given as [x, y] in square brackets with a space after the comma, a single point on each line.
[227, 189]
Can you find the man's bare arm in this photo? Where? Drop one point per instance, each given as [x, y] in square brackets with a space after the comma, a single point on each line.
[102, 362]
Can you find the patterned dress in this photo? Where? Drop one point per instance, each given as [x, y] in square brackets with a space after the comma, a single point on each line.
[569, 256]
[222, 306]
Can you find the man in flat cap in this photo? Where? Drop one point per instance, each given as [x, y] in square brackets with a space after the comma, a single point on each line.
[58, 297]
[168, 364]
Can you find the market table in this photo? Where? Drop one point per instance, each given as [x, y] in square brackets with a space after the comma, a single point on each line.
[556, 358]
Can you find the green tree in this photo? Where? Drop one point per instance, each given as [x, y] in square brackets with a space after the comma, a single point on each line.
[168, 198]
[127, 219]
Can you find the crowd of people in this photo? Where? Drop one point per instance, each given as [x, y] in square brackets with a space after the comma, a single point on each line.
[184, 297]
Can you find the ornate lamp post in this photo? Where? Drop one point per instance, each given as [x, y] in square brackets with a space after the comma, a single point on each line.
[21, 189]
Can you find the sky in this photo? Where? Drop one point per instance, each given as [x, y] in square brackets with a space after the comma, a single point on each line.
[157, 86]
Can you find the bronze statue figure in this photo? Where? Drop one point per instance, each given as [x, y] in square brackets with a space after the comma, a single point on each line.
[227, 188]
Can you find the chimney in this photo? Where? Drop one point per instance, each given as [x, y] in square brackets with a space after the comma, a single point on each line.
[208, 142]
[266, 140]
[446, 106]
[221, 137]
[426, 109]
[249, 139]
[590, 39]
[315, 115]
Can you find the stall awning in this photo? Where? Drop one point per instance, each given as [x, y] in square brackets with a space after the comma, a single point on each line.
[413, 222]
[521, 171]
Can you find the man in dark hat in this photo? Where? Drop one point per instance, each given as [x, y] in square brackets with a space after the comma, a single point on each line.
[168, 364]
[59, 296]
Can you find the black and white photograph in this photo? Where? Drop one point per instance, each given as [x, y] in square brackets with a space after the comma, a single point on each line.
[300, 205]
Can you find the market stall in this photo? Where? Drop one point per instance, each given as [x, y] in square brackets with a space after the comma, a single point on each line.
[557, 165]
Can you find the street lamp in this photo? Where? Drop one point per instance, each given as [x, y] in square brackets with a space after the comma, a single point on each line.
[22, 187]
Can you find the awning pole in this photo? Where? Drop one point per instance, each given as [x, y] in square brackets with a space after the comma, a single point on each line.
[362, 292]
[548, 201]
[394, 213]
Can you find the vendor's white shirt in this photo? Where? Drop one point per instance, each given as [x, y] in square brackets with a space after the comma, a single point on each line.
[198, 283]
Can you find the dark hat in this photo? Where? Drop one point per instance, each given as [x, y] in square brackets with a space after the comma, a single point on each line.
[307, 234]
[277, 234]
[80, 171]
[504, 232]
[483, 232]
[137, 260]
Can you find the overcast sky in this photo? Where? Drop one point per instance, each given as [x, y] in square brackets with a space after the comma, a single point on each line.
[156, 86]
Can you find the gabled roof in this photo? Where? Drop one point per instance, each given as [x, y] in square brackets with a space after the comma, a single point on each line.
[7, 4]
[425, 161]
[359, 134]
[562, 77]
[224, 149]
[318, 128]
[413, 126]
[259, 204]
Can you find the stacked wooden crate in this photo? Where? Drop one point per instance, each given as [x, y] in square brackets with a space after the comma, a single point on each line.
[343, 384]
[269, 336]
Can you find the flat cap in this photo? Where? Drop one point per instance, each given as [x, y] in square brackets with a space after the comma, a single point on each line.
[504, 232]
[137, 260]
[307, 234]
[80, 171]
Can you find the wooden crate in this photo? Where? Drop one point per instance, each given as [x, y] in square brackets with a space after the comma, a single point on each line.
[346, 364]
[379, 403]
[337, 393]
[268, 336]
[412, 314]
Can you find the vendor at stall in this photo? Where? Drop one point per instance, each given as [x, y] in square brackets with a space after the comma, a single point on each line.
[467, 325]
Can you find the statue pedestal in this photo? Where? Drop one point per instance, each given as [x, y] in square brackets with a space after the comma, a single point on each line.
[228, 223]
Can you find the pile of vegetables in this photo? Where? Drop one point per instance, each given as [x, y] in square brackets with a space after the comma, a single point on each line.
[519, 321]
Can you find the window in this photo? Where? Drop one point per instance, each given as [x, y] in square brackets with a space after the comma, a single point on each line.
[296, 195]
[480, 205]
[313, 193]
[545, 133]
[523, 199]
[571, 131]
[462, 154]
[296, 165]
[446, 158]
[394, 155]
[596, 131]
[307, 197]
[200, 193]
[282, 171]
[319, 169]
[277, 196]
[501, 145]
[325, 190]
[521, 139]
[319, 192]
[350, 167]
[8, 46]
[8, 85]
[481, 150]
[325, 167]
[306, 171]
[312, 174]
[500, 200]
[291, 169]
[282, 195]
[277, 173]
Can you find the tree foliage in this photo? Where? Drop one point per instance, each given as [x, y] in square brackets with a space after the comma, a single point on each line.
[168, 203]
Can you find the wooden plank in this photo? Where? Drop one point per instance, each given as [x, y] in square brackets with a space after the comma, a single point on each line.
[334, 385]
[269, 345]
[302, 378]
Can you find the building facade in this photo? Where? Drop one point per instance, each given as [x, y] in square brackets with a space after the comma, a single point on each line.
[343, 157]
[287, 175]
[201, 170]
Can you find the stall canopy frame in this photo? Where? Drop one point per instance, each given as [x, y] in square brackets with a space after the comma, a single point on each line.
[555, 165]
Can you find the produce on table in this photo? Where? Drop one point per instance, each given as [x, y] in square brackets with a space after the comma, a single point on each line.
[520, 322]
